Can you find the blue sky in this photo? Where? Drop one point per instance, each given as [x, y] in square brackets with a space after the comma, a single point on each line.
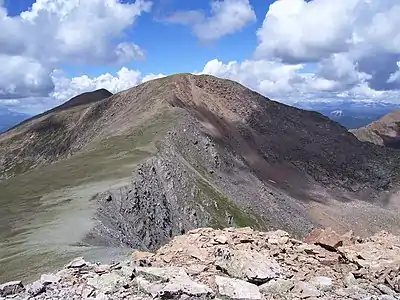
[289, 50]
[150, 33]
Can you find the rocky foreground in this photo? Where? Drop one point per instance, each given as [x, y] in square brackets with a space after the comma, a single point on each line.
[234, 264]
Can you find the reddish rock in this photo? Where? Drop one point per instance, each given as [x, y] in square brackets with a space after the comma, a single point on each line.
[142, 259]
[326, 238]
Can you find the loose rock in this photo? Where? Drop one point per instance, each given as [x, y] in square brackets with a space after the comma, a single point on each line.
[326, 238]
[237, 289]
[77, 263]
[256, 267]
[277, 287]
[232, 263]
[322, 283]
[11, 288]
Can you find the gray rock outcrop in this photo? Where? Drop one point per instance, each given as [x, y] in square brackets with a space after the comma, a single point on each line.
[212, 264]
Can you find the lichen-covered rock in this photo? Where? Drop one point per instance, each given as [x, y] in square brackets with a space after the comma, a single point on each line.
[255, 267]
[322, 283]
[36, 288]
[170, 282]
[11, 288]
[307, 290]
[77, 263]
[107, 283]
[237, 289]
[277, 287]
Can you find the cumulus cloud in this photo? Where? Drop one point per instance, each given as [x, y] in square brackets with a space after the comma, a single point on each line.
[66, 88]
[226, 17]
[300, 31]
[267, 77]
[290, 83]
[78, 31]
[354, 41]
[23, 77]
[54, 32]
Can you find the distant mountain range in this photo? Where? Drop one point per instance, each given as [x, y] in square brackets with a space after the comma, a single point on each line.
[9, 118]
[350, 114]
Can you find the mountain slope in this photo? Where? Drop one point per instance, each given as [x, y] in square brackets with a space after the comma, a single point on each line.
[82, 99]
[384, 132]
[190, 151]
[50, 134]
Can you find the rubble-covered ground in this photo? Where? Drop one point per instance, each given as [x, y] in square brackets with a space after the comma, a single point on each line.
[234, 264]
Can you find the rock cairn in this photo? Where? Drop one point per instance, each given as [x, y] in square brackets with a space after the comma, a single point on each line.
[234, 264]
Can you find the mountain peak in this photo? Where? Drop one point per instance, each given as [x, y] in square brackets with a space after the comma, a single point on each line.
[85, 98]
[81, 99]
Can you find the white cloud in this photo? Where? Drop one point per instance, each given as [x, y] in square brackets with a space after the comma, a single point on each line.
[341, 70]
[307, 50]
[226, 17]
[289, 83]
[23, 77]
[354, 41]
[55, 32]
[267, 77]
[66, 88]
[152, 76]
[300, 31]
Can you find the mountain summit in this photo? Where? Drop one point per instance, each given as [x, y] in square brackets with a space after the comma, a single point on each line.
[191, 151]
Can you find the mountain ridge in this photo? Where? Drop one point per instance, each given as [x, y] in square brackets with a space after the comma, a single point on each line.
[193, 151]
[81, 99]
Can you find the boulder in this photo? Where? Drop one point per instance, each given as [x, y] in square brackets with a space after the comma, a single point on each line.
[49, 279]
[385, 289]
[161, 274]
[185, 286]
[101, 269]
[276, 287]
[237, 289]
[322, 283]
[254, 267]
[195, 269]
[142, 259]
[148, 287]
[107, 283]
[221, 239]
[306, 290]
[78, 262]
[36, 288]
[170, 282]
[11, 288]
[326, 238]
[350, 280]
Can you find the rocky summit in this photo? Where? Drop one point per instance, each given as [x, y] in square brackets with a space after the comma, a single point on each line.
[234, 264]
